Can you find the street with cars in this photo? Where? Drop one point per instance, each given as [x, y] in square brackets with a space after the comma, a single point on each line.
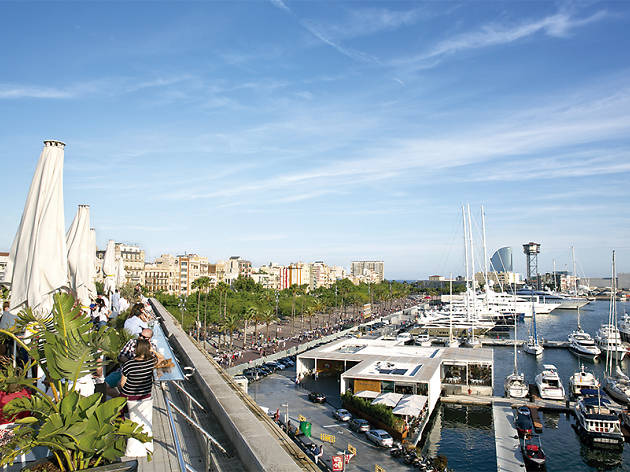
[278, 393]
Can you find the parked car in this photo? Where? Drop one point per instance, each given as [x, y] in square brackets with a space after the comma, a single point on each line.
[264, 371]
[359, 425]
[317, 397]
[342, 415]
[288, 362]
[380, 437]
[251, 376]
[271, 366]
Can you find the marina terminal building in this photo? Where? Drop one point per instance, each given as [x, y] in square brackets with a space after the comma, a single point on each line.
[382, 366]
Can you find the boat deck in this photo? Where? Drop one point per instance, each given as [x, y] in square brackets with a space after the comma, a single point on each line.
[509, 457]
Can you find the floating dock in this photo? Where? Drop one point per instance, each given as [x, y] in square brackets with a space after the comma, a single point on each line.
[509, 457]
[549, 405]
[520, 342]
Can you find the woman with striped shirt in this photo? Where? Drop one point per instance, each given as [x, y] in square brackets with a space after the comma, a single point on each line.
[135, 384]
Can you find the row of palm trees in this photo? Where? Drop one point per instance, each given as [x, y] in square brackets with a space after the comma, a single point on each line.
[230, 308]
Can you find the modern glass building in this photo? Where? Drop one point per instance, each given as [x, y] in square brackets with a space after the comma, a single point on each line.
[502, 260]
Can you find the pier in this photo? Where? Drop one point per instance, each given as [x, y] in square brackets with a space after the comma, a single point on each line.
[520, 342]
[548, 405]
[509, 457]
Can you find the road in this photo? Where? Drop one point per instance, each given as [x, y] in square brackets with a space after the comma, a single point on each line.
[278, 390]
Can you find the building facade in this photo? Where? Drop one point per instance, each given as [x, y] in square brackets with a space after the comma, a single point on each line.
[163, 275]
[501, 260]
[368, 271]
[190, 268]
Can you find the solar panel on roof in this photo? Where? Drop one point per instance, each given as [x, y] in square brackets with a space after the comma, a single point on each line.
[399, 371]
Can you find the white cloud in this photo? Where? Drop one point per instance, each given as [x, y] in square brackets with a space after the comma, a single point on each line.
[10, 91]
[559, 25]
[280, 4]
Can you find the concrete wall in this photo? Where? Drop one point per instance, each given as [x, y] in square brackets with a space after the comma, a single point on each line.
[254, 438]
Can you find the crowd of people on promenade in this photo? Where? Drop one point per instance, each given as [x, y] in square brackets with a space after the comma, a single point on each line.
[261, 345]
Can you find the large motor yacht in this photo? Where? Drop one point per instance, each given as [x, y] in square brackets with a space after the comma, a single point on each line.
[609, 339]
[597, 424]
[624, 328]
[583, 344]
[549, 384]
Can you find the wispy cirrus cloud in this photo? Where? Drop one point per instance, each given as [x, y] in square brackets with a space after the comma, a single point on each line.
[104, 86]
[559, 25]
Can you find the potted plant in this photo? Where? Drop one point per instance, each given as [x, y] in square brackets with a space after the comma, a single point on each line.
[80, 432]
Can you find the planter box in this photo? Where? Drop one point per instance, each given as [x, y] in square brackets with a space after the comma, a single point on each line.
[127, 466]
[397, 435]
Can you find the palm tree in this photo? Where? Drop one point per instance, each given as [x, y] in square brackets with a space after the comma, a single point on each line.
[248, 315]
[231, 323]
[309, 312]
[268, 317]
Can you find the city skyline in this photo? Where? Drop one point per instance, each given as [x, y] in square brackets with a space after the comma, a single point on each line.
[286, 131]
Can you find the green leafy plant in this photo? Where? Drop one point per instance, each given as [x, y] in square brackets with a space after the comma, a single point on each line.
[80, 432]
[381, 413]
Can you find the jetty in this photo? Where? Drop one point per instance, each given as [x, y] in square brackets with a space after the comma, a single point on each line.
[539, 403]
[509, 457]
[520, 342]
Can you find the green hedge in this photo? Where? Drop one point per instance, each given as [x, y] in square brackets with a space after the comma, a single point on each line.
[381, 413]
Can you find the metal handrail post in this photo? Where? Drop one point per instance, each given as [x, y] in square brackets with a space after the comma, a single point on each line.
[178, 448]
[195, 425]
[190, 397]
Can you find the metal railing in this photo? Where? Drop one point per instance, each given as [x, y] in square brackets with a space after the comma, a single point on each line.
[210, 442]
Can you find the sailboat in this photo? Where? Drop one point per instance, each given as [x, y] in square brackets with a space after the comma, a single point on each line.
[616, 383]
[452, 341]
[580, 342]
[532, 346]
[515, 385]
[471, 341]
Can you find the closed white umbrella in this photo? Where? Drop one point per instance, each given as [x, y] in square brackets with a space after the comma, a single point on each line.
[38, 264]
[109, 268]
[121, 278]
[78, 240]
[92, 258]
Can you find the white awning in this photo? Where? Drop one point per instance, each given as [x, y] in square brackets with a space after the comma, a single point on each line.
[366, 394]
[418, 401]
[388, 399]
[407, 409]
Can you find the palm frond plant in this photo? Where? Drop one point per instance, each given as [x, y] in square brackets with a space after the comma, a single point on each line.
[80, 432]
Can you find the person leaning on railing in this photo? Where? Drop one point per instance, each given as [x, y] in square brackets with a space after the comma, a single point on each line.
[136, 383]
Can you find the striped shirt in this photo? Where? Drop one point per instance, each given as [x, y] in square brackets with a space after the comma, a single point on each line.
[139, 375]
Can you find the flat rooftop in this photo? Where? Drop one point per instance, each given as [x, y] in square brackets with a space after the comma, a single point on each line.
[386, 359]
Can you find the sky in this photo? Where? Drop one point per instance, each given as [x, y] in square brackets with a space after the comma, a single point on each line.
[327, 130]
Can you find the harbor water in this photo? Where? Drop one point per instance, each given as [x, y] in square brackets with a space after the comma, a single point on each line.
[464, 433]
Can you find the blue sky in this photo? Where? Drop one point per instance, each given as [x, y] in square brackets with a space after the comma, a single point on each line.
[285, 130]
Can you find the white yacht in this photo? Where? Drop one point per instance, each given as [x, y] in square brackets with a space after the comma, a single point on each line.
[549, 384]
[609, 339]
[616, 383]
[532, 346]
[582, 343]
[423, 340]
[624, 328]
[580, 380]
[618, 387]
[515, 386]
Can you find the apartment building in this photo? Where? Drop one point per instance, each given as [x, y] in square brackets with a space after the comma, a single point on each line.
[133, 260]
[190, 267]
[163, 275]
[368, 271]
[4, 260]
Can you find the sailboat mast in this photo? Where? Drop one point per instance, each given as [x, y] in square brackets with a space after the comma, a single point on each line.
[608, 370]
[613, 328]
[515, 331]
[450, 318]
[485, 255]
[466, 259]
[472, 268]
[576, 285]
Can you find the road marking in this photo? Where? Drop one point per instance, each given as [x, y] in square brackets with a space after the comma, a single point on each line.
[330, 426]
